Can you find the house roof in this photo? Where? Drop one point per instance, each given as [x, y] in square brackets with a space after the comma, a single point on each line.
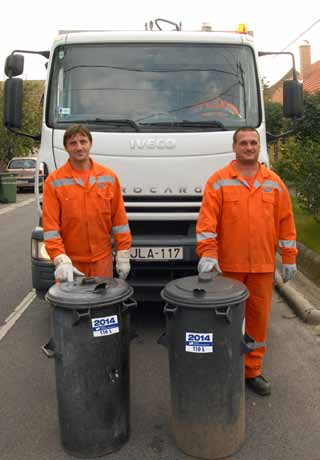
[311, 83]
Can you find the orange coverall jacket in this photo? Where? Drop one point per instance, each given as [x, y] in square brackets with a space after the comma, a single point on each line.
[220, 106]
[242, 227]
[78, 219]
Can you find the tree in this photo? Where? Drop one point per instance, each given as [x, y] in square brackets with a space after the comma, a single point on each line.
[274, 118]
[11, 144]
[299, 159]
[308, 127]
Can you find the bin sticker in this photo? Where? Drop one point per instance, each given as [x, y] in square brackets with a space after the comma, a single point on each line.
[197, 342]
[105, 326]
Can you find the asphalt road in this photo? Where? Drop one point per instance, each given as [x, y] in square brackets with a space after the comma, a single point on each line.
[284, 426]
[16, 224]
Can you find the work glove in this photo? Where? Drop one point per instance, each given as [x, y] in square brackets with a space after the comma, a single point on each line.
[288, 271]
[123, 263]
[208, 264]
[65, 271]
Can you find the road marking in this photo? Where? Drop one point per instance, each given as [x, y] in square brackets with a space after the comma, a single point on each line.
[16, 205]
[17, 312]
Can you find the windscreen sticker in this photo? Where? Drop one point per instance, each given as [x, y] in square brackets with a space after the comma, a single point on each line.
[197, 342]
[105, 326]
[64, 110]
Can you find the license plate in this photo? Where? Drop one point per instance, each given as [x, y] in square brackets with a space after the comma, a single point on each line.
[155, 253]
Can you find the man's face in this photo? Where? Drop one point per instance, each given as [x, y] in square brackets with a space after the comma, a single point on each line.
[78, 147]
[247, 147]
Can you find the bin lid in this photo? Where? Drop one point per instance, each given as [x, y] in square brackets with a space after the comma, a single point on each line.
[89, 292]
[204, 291]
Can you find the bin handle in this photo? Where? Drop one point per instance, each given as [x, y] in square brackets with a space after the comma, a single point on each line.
[129, 303]
[248, 344]
[227, 313]
[100, 286]
[198, 292]
[169, 309]
[88, 280]
[163, 339]
[48, 349]
[78, 315]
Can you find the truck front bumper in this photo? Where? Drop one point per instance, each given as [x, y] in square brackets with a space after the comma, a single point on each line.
[147, 277]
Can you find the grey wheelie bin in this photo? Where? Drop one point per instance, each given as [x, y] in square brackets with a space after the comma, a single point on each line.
[90, 344]
[206, 342]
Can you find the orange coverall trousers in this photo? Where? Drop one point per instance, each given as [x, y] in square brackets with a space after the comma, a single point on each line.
[102, 267]
[257, 313]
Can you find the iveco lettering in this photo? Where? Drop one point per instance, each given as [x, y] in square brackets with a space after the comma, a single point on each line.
[152, 144]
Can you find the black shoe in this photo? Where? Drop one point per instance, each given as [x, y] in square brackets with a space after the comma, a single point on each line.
[259, 385]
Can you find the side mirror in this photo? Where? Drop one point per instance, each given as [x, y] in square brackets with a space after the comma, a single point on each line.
[14, 65]
[292, 98]
[13, 95]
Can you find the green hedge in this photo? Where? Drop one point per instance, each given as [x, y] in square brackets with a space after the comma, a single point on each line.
[308, 229]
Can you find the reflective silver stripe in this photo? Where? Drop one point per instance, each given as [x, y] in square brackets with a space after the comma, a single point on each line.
[226, 182]
[121, 229]
[62, 182]
[51, 234]
[256, 184]
[287, 244]
[79, 181]
[272, 184]
[205, 235]
[101, 179]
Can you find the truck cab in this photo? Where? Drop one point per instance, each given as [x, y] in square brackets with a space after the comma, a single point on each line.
[162, 108]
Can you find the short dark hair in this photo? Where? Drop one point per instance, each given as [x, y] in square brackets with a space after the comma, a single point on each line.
[76, 129]
[244, 128]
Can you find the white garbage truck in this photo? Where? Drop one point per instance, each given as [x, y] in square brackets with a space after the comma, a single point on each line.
[162, 107]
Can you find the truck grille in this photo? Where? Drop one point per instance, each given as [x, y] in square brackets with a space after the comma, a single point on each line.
[162, 204]
[164, 228]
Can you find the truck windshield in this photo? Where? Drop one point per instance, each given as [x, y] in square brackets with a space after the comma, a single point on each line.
[154, 87]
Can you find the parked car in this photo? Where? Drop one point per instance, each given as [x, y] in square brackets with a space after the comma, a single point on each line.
[25, 168]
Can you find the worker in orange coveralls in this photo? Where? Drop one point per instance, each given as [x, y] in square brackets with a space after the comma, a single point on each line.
[82, 207]
[220, 107]
[213, 104]
[245, 216]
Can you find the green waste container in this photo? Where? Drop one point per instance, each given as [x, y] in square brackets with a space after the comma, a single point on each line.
[8, 188]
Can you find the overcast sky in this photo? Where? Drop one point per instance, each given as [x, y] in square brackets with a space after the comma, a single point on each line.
[33, 24]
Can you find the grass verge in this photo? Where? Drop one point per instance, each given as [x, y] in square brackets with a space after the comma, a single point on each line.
[308, 229]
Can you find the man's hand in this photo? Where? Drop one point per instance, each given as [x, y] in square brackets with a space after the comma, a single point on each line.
[208, 264]
[288, 272]
[123, 263]
[65, 271]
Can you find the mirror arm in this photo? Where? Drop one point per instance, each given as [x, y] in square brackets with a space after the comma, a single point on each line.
[269, 53]
[36, 137]
[274, 137]
[45, 54]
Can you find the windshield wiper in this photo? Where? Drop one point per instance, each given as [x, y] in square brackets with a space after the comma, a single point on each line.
[118, 121]
[188, 124]
[107, 121]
